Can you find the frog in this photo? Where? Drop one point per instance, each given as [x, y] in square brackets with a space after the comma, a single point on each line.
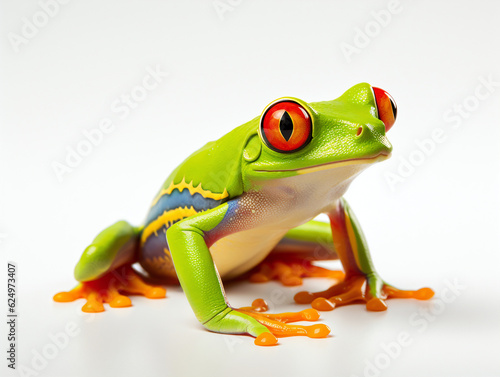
[247, 204]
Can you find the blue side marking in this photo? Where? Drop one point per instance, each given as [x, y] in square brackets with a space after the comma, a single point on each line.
[232, 207]
[178, 199]
[155, 245]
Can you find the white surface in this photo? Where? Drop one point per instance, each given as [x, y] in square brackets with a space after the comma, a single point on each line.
[441, 224]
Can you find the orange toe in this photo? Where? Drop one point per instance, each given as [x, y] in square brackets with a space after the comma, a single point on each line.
[259, 277]
[424, 294]
[111, 288]
[421, 294]
[290, 271]
[278, 326]
[156, 292]
[322, 304]
[260, 305]
[304, 297]
[120, 302]
[65, 297]
[266, 339]
[310, 314]
[93, 307]
[318, 331]
[376, 305]
[356, 289]
[291, 280]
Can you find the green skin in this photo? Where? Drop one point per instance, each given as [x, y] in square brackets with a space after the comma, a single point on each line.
[241, 163]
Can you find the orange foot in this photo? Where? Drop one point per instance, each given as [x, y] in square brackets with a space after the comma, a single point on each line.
[290, 272]
[356, 289]
[108, 288]
[277, 323]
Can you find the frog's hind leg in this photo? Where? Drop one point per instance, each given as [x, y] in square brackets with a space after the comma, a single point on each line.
[292, 259]
[105, 271]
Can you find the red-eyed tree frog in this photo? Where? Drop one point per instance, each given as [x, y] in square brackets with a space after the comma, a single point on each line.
[247, 202]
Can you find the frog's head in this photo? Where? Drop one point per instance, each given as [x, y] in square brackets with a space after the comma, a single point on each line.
[295, 137]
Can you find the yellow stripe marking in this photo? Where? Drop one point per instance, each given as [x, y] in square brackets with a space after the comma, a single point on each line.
[183, 185]
[167, 219]
[167, 252]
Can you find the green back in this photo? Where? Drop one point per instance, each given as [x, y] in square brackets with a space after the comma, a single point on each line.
[217, 165]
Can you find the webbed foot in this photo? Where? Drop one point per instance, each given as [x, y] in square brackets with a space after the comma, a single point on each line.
[112, 289]
[277, 324]
[290, 272]
[359, 288]
[266, 328]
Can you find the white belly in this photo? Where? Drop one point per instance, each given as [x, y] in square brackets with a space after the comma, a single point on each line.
[240, 252]
[277, 206]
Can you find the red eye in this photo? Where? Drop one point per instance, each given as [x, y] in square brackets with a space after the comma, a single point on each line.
[286, 126]
[386, 107]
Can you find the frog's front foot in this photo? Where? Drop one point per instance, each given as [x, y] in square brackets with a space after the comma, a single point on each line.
[112, 289]
[266, 328]
[369, 289]
[290, 272]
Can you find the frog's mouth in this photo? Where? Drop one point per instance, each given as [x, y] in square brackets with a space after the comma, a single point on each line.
[335, 164]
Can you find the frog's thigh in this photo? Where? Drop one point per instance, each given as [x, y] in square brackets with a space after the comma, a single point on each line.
[311, 241]
[154, 255]
[115, 246]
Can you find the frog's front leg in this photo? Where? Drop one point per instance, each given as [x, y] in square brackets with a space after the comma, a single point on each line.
[361, 283]
[189, 241]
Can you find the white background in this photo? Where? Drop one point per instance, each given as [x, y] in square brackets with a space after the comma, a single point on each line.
[438, 225]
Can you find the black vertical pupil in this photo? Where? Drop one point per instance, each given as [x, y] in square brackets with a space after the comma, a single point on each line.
[394, 109]
[286, 126]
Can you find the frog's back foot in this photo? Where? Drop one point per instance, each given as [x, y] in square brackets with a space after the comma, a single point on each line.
[111, 288]
[291, 260]
[290, 271]
[105, 273]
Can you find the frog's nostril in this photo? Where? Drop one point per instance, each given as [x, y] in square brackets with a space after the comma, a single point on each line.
[360, 131]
